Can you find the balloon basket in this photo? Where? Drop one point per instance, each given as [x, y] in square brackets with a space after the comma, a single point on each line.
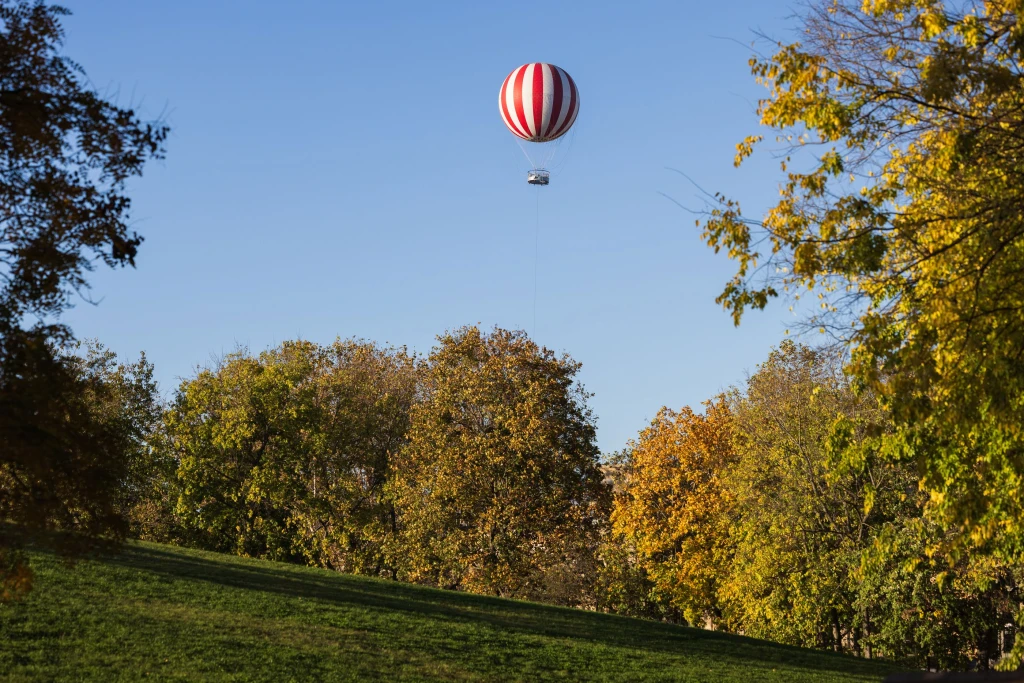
[538, 176]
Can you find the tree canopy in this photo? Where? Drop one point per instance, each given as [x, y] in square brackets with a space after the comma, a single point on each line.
[286, 455]
[499, 489]
[901, 123]
[66, 154]
[670, 509]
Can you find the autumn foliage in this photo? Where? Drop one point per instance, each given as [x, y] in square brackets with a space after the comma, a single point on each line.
[66, 156]
[774, 514]
[864, 496]
[474, 468]
[900, 123]
[671, 513]
[286, 455]
[499, 489]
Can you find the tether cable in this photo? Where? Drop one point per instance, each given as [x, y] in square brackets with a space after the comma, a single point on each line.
[536, 258]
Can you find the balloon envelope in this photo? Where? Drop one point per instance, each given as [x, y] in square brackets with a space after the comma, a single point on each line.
[538, 102]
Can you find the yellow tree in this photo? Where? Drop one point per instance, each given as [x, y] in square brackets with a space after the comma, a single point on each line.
[499, 489]
[671, 512]
[900, 208]
[798, 524]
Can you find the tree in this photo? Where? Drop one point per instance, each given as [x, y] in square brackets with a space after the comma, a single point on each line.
[98, 415]
[623, 585]
[928, 611]
[343, 516]
[236, 431]
[799, 523]
[907, 117]
[286, 455]
[777, 514]
[671, 512]
[65, 156]
[123, 396]
[499, 490]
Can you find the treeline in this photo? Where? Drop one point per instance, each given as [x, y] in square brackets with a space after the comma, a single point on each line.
[771, 513]
[775, 513]
[472, 469]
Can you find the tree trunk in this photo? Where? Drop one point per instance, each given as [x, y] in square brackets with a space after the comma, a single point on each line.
[837, 634]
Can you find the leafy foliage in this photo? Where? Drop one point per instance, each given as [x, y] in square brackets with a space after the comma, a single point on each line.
[286, 455]
[775, 515]
[65, 156]
[96, 416]
[798, 523]
[499, 489]
[670, 513]
[923, 609]
[906, 118]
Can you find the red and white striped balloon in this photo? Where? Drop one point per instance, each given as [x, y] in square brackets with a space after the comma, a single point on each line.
[538, 102]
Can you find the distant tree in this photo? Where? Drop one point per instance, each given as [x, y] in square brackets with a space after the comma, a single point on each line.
[670, 513]
[286, 455]
[622, 583]
[65, 155]
[778, 514]
[343, 518]
[798, 523]
[499, 489]
[236, 432]
[125, 397]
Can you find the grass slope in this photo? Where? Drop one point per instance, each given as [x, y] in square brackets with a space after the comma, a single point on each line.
[164, 613]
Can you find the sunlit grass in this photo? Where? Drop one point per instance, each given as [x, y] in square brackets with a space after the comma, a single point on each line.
[165, 613]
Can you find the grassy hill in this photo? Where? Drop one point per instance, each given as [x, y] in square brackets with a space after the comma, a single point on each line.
[163, 613]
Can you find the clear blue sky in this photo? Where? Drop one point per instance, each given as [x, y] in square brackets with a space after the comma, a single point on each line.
[340, 168]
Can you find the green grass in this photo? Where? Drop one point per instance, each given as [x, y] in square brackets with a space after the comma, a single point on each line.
[164, 613]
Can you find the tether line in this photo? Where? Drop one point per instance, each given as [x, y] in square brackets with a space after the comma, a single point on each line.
[536, 258]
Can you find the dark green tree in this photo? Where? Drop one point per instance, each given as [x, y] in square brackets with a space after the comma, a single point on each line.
[65, 156]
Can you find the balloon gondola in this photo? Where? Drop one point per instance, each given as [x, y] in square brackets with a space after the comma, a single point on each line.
[538, 176]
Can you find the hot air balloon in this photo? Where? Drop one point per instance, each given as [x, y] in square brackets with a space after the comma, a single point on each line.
[539, 103]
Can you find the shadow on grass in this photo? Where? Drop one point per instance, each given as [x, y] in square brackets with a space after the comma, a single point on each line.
[508, 616]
